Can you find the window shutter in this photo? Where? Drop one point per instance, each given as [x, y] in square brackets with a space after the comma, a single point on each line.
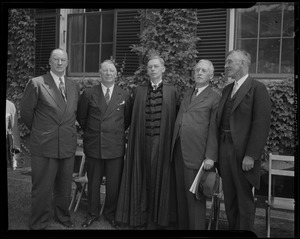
[46, 33]
[212, 31]
[128, 29]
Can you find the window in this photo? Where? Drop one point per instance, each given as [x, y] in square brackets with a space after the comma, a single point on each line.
[90, 41]
[266, 31]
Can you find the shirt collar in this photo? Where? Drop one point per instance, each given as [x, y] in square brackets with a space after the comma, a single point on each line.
[56, 78]
[200, 89]
[242, 80]
[104, 88]
[158, 84]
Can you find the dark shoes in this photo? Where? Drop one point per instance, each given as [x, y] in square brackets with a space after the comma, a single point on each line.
[67, 224]
[113, 223]
[89, 221]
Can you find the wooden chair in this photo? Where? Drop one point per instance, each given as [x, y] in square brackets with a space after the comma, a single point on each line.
[273, 202]
[81, 181]
[214, 216]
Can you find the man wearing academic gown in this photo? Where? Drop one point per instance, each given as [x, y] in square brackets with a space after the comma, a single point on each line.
[145, 187]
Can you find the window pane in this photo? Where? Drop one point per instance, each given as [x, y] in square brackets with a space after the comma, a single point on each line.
[287, 59]
[247, 22]
[92, 58]
[107, 28]
[106, 51]
[288, 19]
[93, 29]
[76, 29]
[268, 59]
[251, 47]
[270, 20]
[76, 58]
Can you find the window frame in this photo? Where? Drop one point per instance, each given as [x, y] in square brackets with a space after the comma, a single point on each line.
[84, 43]
[258, 38]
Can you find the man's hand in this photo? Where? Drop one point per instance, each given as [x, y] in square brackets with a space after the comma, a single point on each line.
[208, 164]
[248, 163]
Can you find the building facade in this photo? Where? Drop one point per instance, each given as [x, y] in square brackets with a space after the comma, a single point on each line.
[265, 30]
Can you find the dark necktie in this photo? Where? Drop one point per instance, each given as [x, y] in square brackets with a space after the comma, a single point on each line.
[195, 93]
[107, 98]
[62, 89]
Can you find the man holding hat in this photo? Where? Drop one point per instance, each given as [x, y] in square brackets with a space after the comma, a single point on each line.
[194, 129]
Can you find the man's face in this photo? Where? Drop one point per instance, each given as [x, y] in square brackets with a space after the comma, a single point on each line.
[108, 73]
[58, 62]
[155, 69]
[234, 66]
[202, 73]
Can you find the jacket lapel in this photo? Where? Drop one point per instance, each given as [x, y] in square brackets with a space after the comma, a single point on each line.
[98, 98]
[242, 91]
[53, 91]
[225, 95]
[114, 101]
[201, 97]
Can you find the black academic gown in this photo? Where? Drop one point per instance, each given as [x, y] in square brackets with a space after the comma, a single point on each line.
[133, 200]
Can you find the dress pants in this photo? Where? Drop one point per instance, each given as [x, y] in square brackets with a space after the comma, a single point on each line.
[96, 169]
[191, 211]
[238, 197]
[51, 178]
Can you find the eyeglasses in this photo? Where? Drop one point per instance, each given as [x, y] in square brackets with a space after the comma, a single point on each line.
[56, 60]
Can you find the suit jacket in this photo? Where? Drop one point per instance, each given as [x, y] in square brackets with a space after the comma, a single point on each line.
[196, 124]
[50, 120]
[250, 119]
[104, 126]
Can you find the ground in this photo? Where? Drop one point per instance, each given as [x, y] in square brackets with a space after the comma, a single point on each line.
[19, 186]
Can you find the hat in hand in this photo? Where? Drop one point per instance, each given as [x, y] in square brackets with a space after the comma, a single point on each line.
[209, 182]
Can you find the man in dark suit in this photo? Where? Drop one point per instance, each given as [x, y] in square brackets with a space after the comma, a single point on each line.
[243, 120]
[195, 128]
[104, 113]
[48, 108]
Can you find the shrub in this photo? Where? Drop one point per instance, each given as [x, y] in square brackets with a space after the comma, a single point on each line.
[281, 136]
[20, 62]
[171, 33]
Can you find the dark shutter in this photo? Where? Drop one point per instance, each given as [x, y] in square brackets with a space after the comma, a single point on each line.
[212, 31]
[128, 29]
[46, 33]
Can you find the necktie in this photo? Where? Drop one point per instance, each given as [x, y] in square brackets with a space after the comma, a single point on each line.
[107, 98]
[62, 89]
[155, 87]
[195, 93]
[234, 89]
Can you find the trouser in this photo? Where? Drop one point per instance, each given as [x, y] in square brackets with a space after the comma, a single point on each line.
[51, 178]
[96, 169]
[191, 211]
[238, 197]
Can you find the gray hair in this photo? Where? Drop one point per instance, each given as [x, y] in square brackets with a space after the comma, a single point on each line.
[245, 56]
[210, 65]
[107, 62]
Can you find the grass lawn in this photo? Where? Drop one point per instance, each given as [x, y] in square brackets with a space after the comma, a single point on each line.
[19, 187]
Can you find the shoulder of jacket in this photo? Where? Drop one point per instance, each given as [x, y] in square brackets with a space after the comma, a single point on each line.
[168, 83]
[143, 84]
[216, 92]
